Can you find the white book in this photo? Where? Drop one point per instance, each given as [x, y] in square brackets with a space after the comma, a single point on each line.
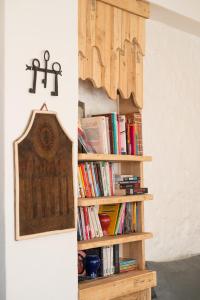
[122, 126]
[92, 210]
[93, 235]
[108, 261]
[108, 135]
[107, 171]
[98, 221]
[103, 176]
[105, 262]
[83, 223]
[112, 262]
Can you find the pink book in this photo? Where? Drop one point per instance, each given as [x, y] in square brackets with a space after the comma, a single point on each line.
[132, 140]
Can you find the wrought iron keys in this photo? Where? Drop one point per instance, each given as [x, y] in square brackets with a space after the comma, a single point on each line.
[46, 58]
[35, 67]
[57, 72]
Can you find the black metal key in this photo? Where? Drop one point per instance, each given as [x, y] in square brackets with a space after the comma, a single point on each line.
[35, 69]
[55, 92]
[46, 58]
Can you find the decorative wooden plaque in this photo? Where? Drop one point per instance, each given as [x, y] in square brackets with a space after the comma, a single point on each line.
[44, 178]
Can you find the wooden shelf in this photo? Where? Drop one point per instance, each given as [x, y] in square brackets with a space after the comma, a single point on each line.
[113, 199]
[102, 288]
[112, 157]
[113, 240]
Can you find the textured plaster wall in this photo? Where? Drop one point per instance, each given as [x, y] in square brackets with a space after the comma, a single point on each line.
[41, 268]
[171, 126]
[2, 227]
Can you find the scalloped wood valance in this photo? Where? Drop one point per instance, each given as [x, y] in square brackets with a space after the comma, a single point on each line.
[111, 46]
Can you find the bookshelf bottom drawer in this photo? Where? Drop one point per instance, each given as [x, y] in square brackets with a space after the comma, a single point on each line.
[142, 295]
[117, 286]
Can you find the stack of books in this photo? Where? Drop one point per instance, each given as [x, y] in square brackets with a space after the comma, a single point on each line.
[127, 264]
[113, 134]
[89, 226]
[95, 179]
[128, 185]
[111, 263]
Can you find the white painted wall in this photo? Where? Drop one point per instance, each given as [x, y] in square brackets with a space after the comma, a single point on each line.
[171, 135]
[187, 8]
[2, 228]
[42, 268]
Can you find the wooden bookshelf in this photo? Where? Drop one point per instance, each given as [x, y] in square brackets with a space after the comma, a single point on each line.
[117, 285]
[117, 81]
[114, 199]
[112, 157]
[114, 240]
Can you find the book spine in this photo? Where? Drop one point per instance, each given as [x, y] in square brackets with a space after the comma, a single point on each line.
[86, 219]
[115, 133]
[94, 179]
[122, 121]
[116, 258]
[98, 221]
[93, 217]
[107, 175]
[83, 223]
[88, 174]
[111, 179]
[91, 223]
[100, 178]
[132, 139]
[118, 135]
[85, 180]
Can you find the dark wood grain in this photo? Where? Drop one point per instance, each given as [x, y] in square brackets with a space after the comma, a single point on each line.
[46, 196]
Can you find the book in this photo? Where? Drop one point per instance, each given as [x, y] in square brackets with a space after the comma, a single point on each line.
[112, 211]
[122, 126]
[84, 142]
[116, 258]
[96, 132]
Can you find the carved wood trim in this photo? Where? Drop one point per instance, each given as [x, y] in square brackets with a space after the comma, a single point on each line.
[111, 47]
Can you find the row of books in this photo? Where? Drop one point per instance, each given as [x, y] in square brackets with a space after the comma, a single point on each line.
[122, 220]
[110, 262]
[123, 217]
[97, 179]
[89, 225]
[112, 133]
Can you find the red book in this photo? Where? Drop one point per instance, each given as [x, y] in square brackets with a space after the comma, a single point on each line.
[119, 135]
[86, 181]
[87, 226]
[132, 139]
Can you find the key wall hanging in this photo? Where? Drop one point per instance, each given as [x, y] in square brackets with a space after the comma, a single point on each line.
[44, 200]
[55, 70]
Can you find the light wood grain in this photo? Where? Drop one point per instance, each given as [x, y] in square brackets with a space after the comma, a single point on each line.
[113, 199]
[140, 8]
[142, 295]
[112, 157]
[111, 39]
[117, 285]
[113, 240]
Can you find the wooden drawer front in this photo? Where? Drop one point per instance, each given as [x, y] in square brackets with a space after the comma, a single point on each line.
[112, 289]
[143, 295]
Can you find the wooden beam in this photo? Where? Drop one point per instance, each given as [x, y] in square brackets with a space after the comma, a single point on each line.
[137, 7]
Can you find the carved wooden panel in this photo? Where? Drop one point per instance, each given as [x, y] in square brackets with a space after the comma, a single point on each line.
[44, 178]
[111, 47]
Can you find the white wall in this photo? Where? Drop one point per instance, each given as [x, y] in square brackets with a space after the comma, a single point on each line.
[42, 268]
[2, 228]
[171, 135]
[189, 9]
